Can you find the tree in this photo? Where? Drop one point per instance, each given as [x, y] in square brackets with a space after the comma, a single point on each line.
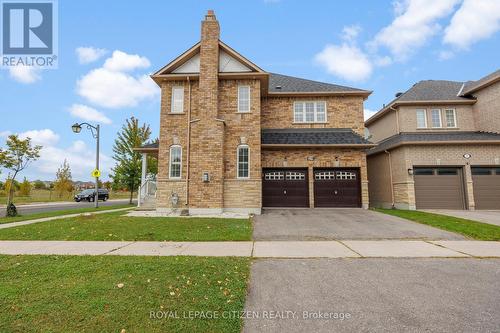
[16, 157]
[25, 188]
[63, 183]
[127, 171]
[39, 185]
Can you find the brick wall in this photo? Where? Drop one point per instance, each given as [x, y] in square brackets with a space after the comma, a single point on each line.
[486, 109]
[342, 112]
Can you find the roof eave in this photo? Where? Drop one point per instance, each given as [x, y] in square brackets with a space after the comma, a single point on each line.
[429, 143]
[481, 86]
[363, 93]
[333, 145]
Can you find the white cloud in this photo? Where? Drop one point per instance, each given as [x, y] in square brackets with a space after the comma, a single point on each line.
[111, 87]
[44, 137]
[89, 54]
[87, 113]
[446, 55]
[123, 62]
[368, 113]
[346, 61]
[25, 74]
[4, 134]
[351, 32]
[475, 20]
[416, 21]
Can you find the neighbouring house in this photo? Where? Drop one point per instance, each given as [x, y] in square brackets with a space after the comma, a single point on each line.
[236, 138]
[438, 147]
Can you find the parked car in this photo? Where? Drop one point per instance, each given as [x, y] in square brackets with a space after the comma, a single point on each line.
[89, 195]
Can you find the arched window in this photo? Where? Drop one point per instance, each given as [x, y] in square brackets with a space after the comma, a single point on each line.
[243, 161]
[175, 162]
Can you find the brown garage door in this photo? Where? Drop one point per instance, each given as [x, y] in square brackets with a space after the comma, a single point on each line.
[285, 188]
[439, 188]
[486, 187]
[337, 188]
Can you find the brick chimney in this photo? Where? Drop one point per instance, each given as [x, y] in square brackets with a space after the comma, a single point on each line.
[207, 150]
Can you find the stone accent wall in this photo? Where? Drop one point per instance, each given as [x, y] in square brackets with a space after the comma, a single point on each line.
[486, 109]
[319, 158]
[342, 112]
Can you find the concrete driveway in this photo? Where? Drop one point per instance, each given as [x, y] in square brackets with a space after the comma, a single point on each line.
[378, 295]
[348, 223]
[485, 216]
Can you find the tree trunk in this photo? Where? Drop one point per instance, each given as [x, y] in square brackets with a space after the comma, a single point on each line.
[10, 197]
[131, 194]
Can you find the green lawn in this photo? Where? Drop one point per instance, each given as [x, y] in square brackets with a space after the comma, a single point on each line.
[83, 294]
[59, 213]
[469, 228]
[115, 227]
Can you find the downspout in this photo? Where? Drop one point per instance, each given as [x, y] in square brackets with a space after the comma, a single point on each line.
[390, 175]
[397, 118]
[188, 141]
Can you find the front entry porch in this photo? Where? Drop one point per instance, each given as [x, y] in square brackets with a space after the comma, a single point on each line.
[146, 194]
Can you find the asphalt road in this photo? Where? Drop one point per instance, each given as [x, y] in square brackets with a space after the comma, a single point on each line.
[374, 295]
[51, 207]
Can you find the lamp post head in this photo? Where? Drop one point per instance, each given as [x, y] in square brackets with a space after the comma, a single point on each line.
[76, 128]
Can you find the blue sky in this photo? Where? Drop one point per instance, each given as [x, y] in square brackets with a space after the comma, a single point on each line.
[384, 46]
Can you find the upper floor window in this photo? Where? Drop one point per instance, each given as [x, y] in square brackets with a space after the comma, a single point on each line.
[243, 98]
[436, 118]
[243, 158]
[309, 112]
[175, 162]
[177, 99]
[451, 117]
[421, 118]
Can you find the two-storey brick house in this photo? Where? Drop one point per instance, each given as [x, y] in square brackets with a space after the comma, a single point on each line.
[438, 147]
[234, 137]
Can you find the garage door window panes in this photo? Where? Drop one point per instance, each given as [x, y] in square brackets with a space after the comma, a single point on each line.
[447, 172]
[295, 176]
[346, 175]
[478, 171]
[325, 175]
[423, 172]
[275, 175]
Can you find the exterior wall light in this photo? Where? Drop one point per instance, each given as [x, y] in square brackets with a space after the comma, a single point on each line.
[206, 177]
[410, 171]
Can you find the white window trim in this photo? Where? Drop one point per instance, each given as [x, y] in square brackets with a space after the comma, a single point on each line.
[425, 117]
[440, 119]
[315, 121]
[454, 117]
[170, 163]
[249, 98]
[172, 100]
[238, 162]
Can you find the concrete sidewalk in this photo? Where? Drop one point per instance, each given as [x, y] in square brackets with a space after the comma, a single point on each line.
[45, 219]
[262, 249]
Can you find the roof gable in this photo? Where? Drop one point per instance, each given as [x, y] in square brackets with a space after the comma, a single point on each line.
[188, 62]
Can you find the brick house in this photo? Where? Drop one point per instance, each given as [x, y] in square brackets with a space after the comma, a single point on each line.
[438, 147]
[236, 138]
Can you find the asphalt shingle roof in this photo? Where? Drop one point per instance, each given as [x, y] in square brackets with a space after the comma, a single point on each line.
[397, 139]
[433, 90]
[471, 85]
[312, 136]
[150, 145]
[295, 84]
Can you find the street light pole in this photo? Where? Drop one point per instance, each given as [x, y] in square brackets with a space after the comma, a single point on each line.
[96, 200]
[77, 128]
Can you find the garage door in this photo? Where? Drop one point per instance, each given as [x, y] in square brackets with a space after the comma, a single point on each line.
[337, 188]
[486, 187]
[439, 188]
[285, 188]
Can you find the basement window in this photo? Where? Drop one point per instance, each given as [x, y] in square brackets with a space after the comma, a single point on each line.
[177, 99]
[309, 112]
